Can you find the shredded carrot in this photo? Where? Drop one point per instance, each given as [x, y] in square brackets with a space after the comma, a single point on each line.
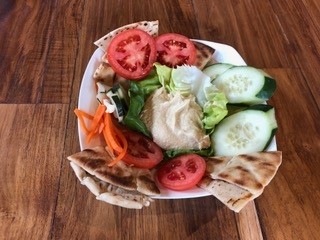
[110, 133]
[80, 114]
[101, 127]
[114, 139]
[120, 156]
[97, 118]
[111, 150]
[101, 123]
[83, 113]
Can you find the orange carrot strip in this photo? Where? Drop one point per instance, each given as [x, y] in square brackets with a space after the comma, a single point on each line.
[101, 127]
[97, 117]
[110, 133]
[125, 147]
[124, 142]
[115, 139]
[107, 141]
[83, 113]
[80, 114]
[95, 121]
[120, 156]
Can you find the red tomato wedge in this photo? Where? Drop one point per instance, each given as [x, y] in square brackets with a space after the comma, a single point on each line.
[175, 50]
[142, 152]
[182, 173]
[132, 53]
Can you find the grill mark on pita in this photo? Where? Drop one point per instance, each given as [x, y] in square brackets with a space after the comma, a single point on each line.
[230, 200]
[247, 196]
[93, 163]
[224, 175]
[214, 160]
[201, 51]
[124, 182]
[239, 182]
[249, 158]
[242, 169]
[204, 54]
[150, 184]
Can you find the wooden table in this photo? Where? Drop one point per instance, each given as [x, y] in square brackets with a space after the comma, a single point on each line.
[44, 49]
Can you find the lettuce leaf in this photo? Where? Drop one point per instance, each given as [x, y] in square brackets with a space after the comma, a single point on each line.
[164, 74]
[138, 93]
[174, 153]
[215, 109]
[190, 80]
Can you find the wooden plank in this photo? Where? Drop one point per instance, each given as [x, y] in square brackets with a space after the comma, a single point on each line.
[301, 24]
[248, 223]
[27, 45]
[41, 52]
[30, 152]
[246, 26]
[287, 209]
[63, 52]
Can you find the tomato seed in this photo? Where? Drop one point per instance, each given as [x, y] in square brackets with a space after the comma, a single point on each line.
[174, 176]
[170, 44]
[191, 166]
[170, 167]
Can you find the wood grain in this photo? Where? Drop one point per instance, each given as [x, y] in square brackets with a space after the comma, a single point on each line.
[44, 49]
[296, 185]
[30, 169]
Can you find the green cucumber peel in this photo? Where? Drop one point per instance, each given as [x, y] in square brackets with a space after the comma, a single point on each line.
[268, 89]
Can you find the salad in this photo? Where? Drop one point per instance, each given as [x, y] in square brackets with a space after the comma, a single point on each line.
[227, 102]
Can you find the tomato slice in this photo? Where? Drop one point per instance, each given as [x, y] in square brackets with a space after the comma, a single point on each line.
[132, 53]
[175, 50]
[142, 152]
[183, 172]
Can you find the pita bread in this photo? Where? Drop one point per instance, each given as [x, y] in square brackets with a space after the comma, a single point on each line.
[239, 179]
[204, 54]
[104, 73]
[151, 27]
[109, 193]
[229, 194]
[95, 161]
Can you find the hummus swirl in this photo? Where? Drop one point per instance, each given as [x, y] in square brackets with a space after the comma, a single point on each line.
[174, 121]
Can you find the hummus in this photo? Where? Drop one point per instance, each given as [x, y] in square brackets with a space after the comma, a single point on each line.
[174, 121]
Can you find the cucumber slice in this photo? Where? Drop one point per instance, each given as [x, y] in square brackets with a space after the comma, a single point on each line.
[216, 69]
[244, 84]
[120, 111]
[248, 131]
[119, 91]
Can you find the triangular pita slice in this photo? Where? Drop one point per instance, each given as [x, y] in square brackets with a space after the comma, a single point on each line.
[231, 195]
[95, 161]
[110, 193]
[239, 179]
[151, 27]
[204, 54]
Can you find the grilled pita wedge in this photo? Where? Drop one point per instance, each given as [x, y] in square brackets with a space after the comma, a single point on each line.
[151, 27]
[110, 193]
[112, 184]
[204, 55]
[239, 179]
